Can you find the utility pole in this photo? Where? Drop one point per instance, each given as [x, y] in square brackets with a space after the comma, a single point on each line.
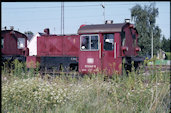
[61, 17]
[152, 43]
[103, 6]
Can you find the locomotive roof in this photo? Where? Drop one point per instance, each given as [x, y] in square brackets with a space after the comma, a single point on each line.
[8, 31]
[103, 28]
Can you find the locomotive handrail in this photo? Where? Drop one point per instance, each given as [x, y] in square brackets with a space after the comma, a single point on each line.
[100, 51]
[115, 50]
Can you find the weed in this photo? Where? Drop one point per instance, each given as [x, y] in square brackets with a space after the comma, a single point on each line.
[25, 91]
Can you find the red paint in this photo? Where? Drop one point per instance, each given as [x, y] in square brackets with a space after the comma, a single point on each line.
[32, 61]
[88, 67]
[58, 45]
[91, 61]
[10, 43]
[110, 61]
[131, 26]
[71, 45]
[129, 42]
[124, 48]
[104, 60]
[136, 48]
[82, 25]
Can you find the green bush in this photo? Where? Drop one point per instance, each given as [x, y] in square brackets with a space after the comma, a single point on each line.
[168, 56]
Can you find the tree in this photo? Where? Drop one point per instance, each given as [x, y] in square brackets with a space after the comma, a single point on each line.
[165, 44]
[145, 19]
[29, 34]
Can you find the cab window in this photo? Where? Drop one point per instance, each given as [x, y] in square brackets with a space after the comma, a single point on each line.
[89, 42]
[21, 43]
[108, 40]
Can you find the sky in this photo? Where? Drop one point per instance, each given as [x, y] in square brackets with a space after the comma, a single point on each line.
[36, 16]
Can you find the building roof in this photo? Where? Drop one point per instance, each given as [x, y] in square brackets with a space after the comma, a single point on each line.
[103, 28]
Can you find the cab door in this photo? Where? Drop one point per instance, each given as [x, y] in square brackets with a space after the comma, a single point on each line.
[110, 53]
[90, 54]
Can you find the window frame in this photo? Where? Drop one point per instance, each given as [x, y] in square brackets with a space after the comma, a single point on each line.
[112, 43]
[89, 42]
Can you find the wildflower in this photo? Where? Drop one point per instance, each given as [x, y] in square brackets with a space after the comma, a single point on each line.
[158, 84]
[54, 105]
[56, 97]
[52, 93]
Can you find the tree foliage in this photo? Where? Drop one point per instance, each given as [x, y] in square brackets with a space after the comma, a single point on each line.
[145, 19]
[29, 34]
[165, 44]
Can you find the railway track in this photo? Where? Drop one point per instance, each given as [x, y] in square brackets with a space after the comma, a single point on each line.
[158, 67]
[148, 70]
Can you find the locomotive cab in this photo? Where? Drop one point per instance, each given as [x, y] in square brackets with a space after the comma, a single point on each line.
[103, 47]
[13, 45]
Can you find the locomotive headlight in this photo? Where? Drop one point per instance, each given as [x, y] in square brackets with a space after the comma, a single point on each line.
[137, 49]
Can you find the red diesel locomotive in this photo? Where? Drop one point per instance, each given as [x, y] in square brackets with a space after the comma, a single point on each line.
[13, 45]
[95, 48]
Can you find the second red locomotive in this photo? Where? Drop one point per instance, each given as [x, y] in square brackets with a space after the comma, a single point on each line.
[13, 45]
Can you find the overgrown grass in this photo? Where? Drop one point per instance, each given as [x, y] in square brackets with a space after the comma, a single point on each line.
[26, 92]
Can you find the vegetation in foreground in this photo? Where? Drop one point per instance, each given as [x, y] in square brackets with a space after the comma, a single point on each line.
[27, 92]
[168, 55]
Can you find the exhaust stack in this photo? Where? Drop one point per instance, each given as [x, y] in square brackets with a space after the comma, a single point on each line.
[127, 20]
[47, 31]
[109, 22]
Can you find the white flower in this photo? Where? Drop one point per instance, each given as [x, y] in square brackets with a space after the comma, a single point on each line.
[64, 95]
[158, 83]
[56, 97]
[51, 93]
[71, 85]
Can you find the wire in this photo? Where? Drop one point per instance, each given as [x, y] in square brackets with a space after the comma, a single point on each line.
[74, 6]
[52, 7]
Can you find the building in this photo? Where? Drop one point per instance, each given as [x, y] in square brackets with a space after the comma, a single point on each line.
[32, 45]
